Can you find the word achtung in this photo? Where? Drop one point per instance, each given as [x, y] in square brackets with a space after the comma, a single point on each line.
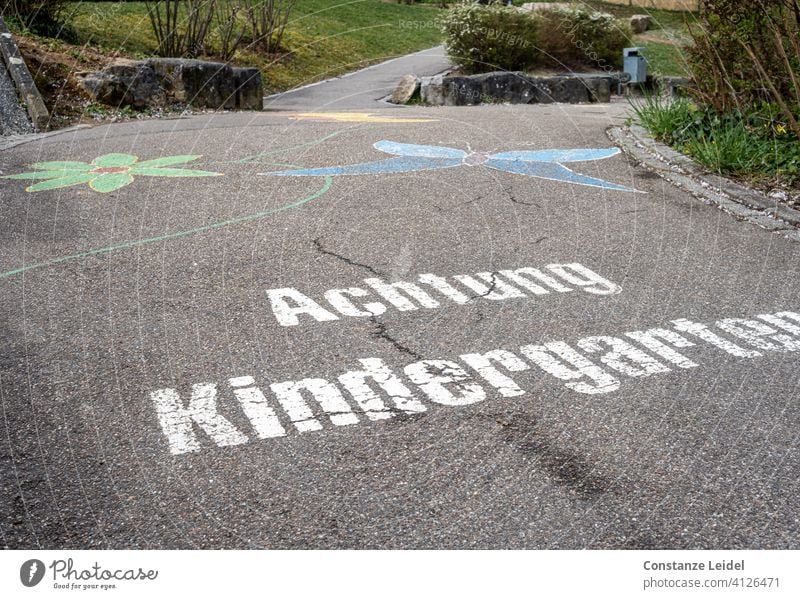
[429, 291]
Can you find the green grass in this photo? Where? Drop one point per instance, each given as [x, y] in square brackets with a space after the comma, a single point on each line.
[666, 119]
[325, 37]
[665, 20]
[664, 59]
[756, 146]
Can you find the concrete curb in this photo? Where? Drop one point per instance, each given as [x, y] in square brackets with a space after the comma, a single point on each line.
[680, 170]
[23, 80]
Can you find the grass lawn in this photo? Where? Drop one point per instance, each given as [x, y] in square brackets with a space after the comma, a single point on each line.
[662, 43]
[325, 37]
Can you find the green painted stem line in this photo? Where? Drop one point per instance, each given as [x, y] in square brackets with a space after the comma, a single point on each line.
[177, 235]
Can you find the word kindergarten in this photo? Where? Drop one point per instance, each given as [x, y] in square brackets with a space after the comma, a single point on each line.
[374, 391]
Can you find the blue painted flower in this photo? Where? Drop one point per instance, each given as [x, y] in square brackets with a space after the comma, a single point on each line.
[542, 164]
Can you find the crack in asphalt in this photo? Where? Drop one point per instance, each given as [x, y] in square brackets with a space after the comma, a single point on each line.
[507, 190]
[468, 202]
[516, 201]
[322, 250]
[381, 333]
[396, 414]
[491, 288]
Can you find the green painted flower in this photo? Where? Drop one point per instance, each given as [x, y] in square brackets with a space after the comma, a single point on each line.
[106, 173]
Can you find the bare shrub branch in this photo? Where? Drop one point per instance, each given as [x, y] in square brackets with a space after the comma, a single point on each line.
[268, 20]
[181, 27]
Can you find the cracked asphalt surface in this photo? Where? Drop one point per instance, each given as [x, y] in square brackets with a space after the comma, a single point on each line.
[699, 458]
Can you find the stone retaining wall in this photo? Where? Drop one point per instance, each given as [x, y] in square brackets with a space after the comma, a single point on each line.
[660, 4]
[165, 81]
[516, 88]
[510, 87]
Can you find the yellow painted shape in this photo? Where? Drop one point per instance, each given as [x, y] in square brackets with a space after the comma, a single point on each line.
[354, 117]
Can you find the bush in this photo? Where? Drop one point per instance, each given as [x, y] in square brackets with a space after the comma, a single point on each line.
[746, 53]
[480, 38]
[488, 38]
[745, 65]
[41, 16]
[185, 28]
[577, 37]
[181, 27]
[268, 20]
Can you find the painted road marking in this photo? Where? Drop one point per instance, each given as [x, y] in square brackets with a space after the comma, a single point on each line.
[598, 365]
[409, 158]
[353, 117]
[290, 305]
[263, 418]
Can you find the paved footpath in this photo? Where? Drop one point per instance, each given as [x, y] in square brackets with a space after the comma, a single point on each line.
[480, 328]
[363, 88]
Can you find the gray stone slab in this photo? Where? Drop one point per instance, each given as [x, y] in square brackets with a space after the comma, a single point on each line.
[405, 89]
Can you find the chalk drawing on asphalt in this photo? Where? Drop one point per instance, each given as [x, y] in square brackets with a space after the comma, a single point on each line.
[540, 164]
[106, 173]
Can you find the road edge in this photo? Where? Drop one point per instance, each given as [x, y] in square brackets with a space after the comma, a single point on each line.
[680, 170]
[12, 141]
[23, 80]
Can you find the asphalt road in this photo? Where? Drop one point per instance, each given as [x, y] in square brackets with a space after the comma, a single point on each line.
[120, 308]
[362, 88]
